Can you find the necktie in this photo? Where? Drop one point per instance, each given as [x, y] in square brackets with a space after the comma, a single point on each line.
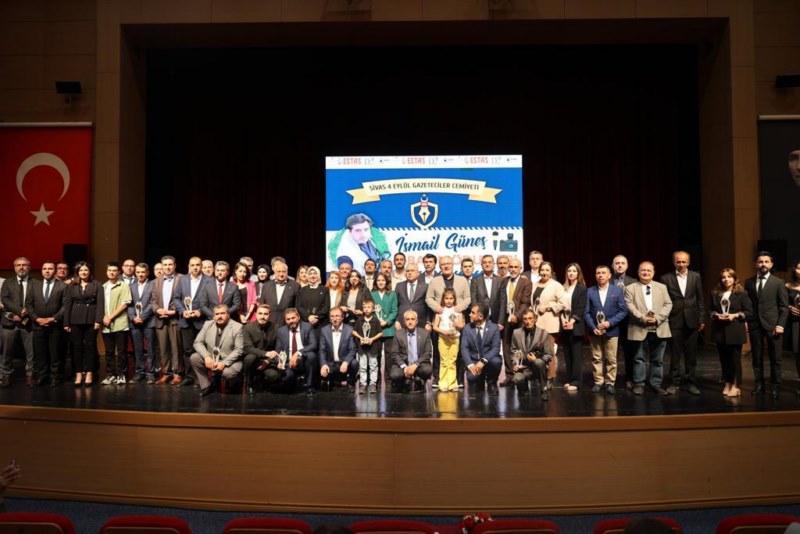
[369, 250]
[480, 336]
[411, 292]
[527, 341]
[511, 285]
[47, 292]
[21, 293]
[412, 349]
[219, 292]
[294, 341]
[760, 285]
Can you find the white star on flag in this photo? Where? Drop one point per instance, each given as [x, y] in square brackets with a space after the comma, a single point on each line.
[42, 216]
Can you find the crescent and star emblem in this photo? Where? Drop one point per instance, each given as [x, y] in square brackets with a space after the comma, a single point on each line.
[42, 159]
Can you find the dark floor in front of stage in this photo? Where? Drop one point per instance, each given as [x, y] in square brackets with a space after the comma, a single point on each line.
[433, 404]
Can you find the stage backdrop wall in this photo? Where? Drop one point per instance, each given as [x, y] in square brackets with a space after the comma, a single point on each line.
[237, 140]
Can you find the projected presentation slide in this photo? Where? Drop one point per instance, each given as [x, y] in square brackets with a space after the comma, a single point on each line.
[460, 206]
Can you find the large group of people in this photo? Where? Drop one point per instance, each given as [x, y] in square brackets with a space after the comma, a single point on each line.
[395, 324]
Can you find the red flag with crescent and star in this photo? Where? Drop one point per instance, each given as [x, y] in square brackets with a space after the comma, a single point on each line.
[45, 176]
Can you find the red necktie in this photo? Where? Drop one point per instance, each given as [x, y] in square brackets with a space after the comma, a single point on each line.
[219, 293]
[294, 341]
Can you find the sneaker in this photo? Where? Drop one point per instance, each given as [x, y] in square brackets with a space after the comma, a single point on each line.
[661, 391]
[638, 390]
[121, 381]
[138, 378]
[672, 390]
[691, 388]
[151, 380]
[373, 388]
[362, 389]
[109, 380]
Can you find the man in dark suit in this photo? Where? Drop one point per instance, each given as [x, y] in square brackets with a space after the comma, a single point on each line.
[337, 351]
[686, 319]
[517, 297]
[45, 304]
[260, 356]
[411, 295]
[620, 279]
[605, 329]
[489, 289]
[187, 302]
[16, 322]
[167, 334]
[535, 259]
[480, 350]
[298, 340]
[222, 287]
[770, 300]
[142, 322]
[412, 354]
[536, 349]
[280, 293]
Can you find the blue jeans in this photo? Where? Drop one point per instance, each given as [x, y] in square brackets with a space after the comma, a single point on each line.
[655, 346]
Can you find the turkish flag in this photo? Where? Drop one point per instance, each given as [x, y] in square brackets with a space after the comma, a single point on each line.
[45, 175]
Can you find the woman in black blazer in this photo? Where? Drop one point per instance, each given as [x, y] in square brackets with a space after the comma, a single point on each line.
[353, 297]
[572, 330]
[312, 300]
[730, 310]
[84, 307]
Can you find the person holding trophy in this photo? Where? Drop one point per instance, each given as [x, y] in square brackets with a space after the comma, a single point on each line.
[386, 309]
[367, 331]
[532, 350]
[448, 324]
[572, 325]
[794, 315]
[605, 310]
[219, 348]
[730, 310]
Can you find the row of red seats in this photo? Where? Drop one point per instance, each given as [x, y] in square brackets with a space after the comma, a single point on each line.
[44, 523]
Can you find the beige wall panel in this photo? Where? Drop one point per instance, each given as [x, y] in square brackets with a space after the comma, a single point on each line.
[394, 10]
[106, 167]
[774, 60]
[107, 107]
[108, 36]
[44, 105]
[748, 231]
[21, 38]
[82, 68]
[743, 95]
[741, 27]
[745, 173]
[70, 9]
[455, 10]
[26, 10]
[671, 9]
[592, 9]
[22, 72]
[159, 11]
[777, 29]
[73, 37]
[771, 101]
[763, 6]
[303, 10]
[531, 10]
[245, 10]
[105, 237]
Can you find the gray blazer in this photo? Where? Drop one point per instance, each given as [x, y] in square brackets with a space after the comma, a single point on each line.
[400, 347]
[637, 310]
[231, 345]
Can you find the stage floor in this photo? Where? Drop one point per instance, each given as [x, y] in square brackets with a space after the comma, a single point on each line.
[429, 404]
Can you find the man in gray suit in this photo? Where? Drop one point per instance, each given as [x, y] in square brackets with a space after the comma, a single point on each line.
[218, 348]
[412, 351]
[648, 325]
[45, 303]
[411, 296]
[16, 322]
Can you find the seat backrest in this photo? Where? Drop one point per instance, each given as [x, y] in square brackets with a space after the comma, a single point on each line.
[516, 526]
[617, 525]
[149, 524]
[755, 524]
[35, 523]
[392, 526]
[266, 525]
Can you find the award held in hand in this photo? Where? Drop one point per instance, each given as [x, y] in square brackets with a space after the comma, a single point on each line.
[566, 314]
[187, 302]
[215, 353]
[138, 307]
[601, 317]
[725, 305]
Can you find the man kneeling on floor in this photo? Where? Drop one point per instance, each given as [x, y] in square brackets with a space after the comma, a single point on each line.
[412, 352]
[218, 350]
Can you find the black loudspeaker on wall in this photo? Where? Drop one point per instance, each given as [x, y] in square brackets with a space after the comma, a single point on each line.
[778, 249]
[75, 252]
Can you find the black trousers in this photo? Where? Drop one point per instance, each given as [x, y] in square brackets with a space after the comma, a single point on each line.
[116, 353]
[730, 358]
[683, 347]
[759, 339]
[188, 335]
[48, 349]
[83, 340]
[423, 372]
[573, 356]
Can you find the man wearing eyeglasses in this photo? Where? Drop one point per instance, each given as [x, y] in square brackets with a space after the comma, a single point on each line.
[649, 306]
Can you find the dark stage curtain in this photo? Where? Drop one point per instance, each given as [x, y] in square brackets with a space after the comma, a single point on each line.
[236, 141]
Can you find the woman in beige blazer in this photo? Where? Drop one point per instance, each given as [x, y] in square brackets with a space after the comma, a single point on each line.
[551, 297]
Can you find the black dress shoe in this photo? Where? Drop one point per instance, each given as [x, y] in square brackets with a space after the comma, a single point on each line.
[310, 392]
[493, 391]
[758, 390]
[205, 392]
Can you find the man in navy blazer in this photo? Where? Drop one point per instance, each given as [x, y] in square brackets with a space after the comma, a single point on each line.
[190, 321]
[142, 322]
[209, 297]
[480, 350]
[610, 300]
[298, 340]
[337, 354]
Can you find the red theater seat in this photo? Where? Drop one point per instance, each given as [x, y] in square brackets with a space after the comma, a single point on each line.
[756, 524]
[516, 526]
[151, 524]
[617, 525]
[35, 523]
[392, 526]
[266, 525]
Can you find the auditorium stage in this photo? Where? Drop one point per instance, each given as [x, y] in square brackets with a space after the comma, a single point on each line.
[410, 454]
[430, 404]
